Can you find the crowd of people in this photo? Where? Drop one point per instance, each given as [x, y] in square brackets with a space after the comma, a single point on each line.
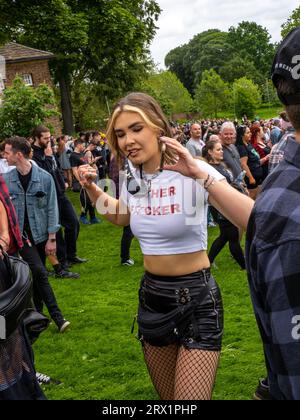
[245, 175]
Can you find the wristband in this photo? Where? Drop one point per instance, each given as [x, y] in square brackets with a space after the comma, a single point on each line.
[208, 176]
[209, 182]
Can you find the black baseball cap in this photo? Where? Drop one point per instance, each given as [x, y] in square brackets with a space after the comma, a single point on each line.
[286, 65]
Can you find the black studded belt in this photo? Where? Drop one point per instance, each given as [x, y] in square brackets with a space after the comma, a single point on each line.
[163, 294]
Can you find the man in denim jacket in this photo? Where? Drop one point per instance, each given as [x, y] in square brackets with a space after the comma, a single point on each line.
[33, 194]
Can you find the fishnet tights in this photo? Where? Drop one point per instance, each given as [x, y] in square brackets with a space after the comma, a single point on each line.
[181, 374]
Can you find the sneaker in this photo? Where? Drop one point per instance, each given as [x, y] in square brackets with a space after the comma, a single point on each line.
[129, 262]
[212, 224]
[262, 391]
[65, 265]
[64, 274]
[51, 273]
[45, 379]
[84, 220]
[95, 221]
[63, 325]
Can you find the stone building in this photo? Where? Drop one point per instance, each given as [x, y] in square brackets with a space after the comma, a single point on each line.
[29, 63]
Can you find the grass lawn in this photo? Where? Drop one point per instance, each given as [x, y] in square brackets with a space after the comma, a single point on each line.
[99, 358]
[263, 113]
[266, 113]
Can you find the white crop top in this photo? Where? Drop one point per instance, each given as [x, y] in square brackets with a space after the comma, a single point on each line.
[169, 214]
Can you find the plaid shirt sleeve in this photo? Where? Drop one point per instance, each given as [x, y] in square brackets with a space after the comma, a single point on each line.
[275, 292]
[273, 265]
[277, 152]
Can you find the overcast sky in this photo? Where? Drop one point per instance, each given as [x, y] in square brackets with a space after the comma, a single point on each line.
[180, 20]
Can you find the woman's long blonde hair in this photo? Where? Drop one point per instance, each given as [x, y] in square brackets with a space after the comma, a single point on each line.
[150, 111]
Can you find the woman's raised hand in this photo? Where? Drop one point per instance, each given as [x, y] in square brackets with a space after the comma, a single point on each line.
[186, 164]
[87, 175]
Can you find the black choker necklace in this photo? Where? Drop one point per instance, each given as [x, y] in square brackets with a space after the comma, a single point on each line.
[142, 187]
[146, 181]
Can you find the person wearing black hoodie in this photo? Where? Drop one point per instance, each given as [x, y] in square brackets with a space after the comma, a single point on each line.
[66, 244]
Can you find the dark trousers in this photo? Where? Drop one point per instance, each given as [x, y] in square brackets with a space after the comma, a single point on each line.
[42, 291]
[228, 233]
[125, 243]
[66, 243]
[86, 204]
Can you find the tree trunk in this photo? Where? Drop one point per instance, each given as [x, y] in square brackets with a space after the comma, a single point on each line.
[66, 104]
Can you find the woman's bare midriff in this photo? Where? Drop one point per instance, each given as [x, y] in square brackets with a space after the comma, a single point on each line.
[176, 265]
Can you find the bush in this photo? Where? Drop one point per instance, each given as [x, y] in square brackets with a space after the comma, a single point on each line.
[24, 107]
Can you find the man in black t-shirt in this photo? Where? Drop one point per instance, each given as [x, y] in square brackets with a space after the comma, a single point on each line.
[66, 244]
[77, 157]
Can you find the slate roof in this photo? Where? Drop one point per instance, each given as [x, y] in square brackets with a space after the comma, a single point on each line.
[14, 53]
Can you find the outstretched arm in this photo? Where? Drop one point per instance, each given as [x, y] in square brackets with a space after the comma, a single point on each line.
[235, 206]
[232, 204]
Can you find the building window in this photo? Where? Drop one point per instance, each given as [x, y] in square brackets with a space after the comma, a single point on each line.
[27, 79]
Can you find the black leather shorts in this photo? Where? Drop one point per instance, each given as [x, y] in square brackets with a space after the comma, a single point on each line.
[163, 294]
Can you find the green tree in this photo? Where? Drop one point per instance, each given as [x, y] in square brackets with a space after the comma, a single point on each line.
[9, 15]
[89, 106]
[239, 66]
[210, 50]
[168, 85]
[251, 40]
[160, 97]
[207, 50]
[292, 22]
[24, 107]
[97, 40]
[51, 26]
[269, 93]
[212, 94]
[175, 62]
[246, 97]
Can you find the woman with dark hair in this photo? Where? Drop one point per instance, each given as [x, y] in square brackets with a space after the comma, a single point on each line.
[177, 287]
[257, 141]
[213, 153]
[17, 374]
[250, 160]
